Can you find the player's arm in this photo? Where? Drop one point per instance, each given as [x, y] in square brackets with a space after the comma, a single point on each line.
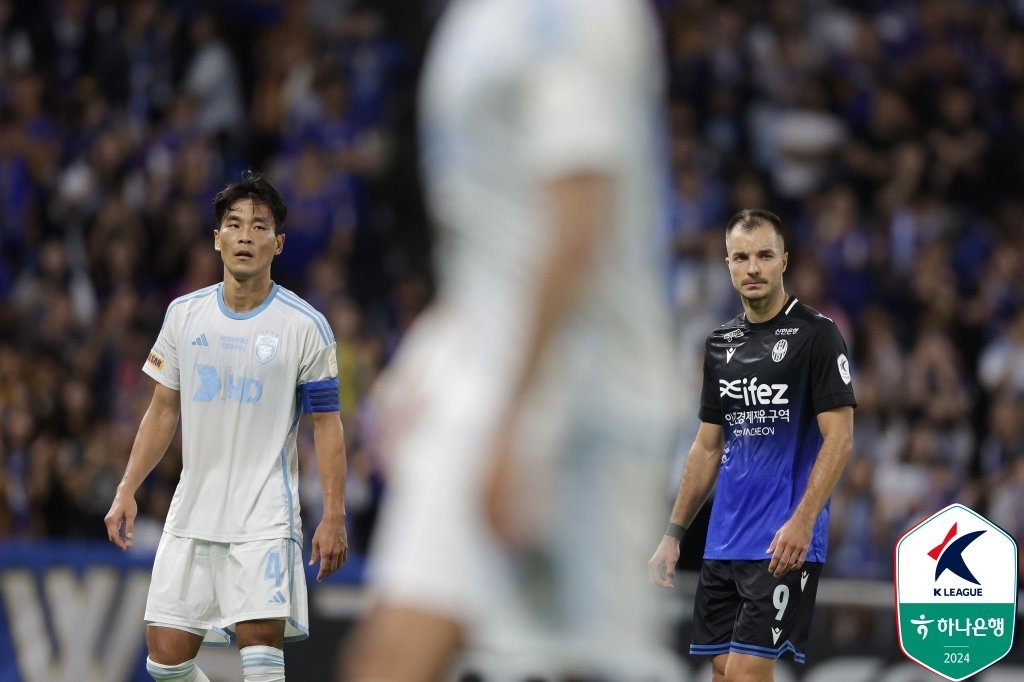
[330, 541]
[579, 211]
[154, 436]
[791, 542]
[579, 208]
[695, 485]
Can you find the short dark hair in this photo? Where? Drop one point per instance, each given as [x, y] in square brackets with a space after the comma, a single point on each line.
[256, 187]
[751, 218]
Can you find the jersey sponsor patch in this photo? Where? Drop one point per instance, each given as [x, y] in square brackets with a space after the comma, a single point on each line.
[753, 393]
[156, 360]
[844, 368]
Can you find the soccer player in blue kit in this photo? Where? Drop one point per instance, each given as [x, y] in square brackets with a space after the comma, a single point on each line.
[776, 432]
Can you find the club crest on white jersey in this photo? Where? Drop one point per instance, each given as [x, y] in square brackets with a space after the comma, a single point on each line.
[266, 346]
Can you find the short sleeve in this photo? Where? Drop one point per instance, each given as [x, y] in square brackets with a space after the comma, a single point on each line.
[573, 109]
[830, 374]
[319, 359]
[710, 400]
[323, 364]
[162, 363]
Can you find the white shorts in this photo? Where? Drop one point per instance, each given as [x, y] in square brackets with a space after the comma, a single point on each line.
[586, 596]
[432, 548]
[205, 586]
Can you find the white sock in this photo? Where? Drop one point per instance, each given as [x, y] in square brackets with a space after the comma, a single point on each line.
[262, 664]
[183, 672]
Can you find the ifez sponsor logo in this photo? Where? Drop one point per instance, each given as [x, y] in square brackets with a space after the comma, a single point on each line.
[956, 592]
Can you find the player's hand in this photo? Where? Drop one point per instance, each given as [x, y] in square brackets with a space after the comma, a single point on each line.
[789, 547]
[120, 520]
[500, 493]
[330, 546]
[661, 569]
[518, 492]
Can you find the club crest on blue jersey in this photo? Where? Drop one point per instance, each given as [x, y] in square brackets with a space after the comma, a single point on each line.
[266, 346]
[779, 351]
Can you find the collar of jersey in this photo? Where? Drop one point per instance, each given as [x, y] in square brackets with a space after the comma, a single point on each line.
[228, 312]
[772, 322]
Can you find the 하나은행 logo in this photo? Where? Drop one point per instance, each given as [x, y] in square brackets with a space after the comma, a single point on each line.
[956, 592]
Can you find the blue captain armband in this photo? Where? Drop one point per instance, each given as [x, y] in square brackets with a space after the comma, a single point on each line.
[320, 396]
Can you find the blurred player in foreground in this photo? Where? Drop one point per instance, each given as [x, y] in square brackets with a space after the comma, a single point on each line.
[240, 361]
[531, 409]
[776, 431]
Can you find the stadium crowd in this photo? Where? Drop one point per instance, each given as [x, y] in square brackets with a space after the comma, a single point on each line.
[888, 135]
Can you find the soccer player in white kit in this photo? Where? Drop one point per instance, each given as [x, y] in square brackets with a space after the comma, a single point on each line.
[529, 412]
[240, 361]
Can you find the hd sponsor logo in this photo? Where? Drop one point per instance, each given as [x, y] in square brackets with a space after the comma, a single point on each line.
[956, 592]
[229, 387]
[753, 393]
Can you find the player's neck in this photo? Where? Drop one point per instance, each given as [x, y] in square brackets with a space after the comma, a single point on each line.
[241, 296]
[764, 309]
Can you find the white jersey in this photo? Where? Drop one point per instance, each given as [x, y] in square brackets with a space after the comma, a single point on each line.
[239, 375]
[519, 92]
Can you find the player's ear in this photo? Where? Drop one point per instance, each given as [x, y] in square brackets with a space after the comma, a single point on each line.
[785, 260]
[216, 240]
[280, 244]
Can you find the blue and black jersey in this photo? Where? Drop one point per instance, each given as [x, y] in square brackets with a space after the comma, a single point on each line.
[765, 383]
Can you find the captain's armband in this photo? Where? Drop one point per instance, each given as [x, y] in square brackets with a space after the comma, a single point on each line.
[320, 396]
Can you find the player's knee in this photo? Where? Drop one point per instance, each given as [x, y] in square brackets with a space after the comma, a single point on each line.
[745, 675]
[266, 633]
[718, 667]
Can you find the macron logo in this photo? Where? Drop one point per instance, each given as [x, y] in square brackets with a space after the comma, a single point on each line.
[201, 341]
[728, 355]
[951, 558]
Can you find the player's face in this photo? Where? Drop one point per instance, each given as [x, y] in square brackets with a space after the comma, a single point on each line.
[756, 262]
[247, 240]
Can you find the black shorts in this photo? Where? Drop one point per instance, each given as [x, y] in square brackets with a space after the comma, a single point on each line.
[741, 607]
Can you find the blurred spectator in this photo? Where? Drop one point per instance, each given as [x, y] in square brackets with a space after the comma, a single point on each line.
[1003, 447]
[1001, 365]
[212, 80]
[1007, 506]
[320, 216]
[856, 543]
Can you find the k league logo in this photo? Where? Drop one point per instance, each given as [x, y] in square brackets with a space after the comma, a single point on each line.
[956, 592]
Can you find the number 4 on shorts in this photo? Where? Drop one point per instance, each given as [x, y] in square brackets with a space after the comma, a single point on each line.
[274, 571]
